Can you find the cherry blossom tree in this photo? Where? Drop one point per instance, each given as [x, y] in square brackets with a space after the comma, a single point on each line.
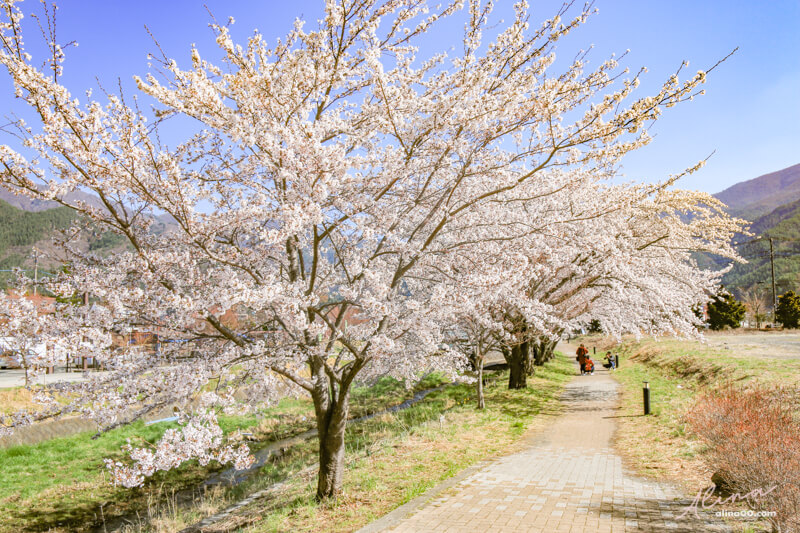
[23, 334]
[337, 183]
[617, 253]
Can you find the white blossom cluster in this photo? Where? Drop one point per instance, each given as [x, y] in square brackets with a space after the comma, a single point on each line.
[200, 438]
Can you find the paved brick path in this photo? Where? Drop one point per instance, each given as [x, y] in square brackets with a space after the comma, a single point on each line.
[570, 479]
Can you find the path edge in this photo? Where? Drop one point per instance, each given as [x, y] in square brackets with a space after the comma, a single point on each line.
[394, 517]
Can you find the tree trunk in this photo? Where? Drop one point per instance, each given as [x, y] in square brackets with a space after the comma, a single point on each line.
[481, 401]
[331, 412]
[526, 349]
[473, 359]
[539, 354]
[551, 349]
[517, 377]
[331, 456]
[543, 350]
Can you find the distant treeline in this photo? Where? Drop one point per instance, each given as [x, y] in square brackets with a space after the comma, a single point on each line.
[25, 228]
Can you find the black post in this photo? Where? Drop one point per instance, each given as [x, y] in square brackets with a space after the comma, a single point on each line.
[616, 361]
[594, 350]
[646, 397]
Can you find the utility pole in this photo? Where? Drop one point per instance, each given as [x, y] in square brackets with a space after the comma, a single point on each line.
[774, 295]
[35, 271]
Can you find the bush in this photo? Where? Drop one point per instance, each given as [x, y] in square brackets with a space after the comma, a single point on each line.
[788, 310]
[724, 310]
[754, 440]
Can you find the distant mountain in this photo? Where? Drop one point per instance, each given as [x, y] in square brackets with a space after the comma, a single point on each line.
[757, 197]
[163, 223]
[21, 231]
[29, 204]
[26, 224]
[24, 228]
[782, 223]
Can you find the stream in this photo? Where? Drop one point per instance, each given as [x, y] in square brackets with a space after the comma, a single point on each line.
[231, 477]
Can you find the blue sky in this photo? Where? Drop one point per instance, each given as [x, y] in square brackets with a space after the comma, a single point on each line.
[750, 116]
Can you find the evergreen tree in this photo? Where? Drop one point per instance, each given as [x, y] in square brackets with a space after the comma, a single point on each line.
[725, 310]
[788, 311]
[595, 327]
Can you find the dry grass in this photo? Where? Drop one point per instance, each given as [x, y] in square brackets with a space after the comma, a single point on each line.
[391, 459]
[662, 446]
[712, 364]
[754, 443]
[16, 399]
[62, 480]
[658, 446]
[398, 470]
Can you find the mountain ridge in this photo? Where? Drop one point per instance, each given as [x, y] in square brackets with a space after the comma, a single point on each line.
[760, 196]
[25, 203]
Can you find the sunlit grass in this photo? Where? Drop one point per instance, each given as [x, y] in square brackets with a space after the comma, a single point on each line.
[661, 445]
[62, 481]
[396, 457]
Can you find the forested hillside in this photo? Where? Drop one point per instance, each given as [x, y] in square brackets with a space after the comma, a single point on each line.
[21, 231]
[22, 228]
[772, 203]
[783, 226]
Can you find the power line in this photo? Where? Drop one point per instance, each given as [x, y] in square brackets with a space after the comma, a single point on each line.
[765, 238]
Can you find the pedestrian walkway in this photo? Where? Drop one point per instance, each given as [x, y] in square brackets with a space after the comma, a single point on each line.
[570, 479]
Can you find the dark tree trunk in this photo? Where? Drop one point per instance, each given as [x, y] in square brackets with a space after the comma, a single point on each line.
[551, 349]
[539, 355]
[481, 401]
[331, 412]
[543, 350]
[331, 455]
[474, 360]
[526, 349]
[517, 377]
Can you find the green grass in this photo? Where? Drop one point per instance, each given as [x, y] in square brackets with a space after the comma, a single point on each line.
[61, 485]
[659, 439]
[660, 445]
[391, 458]
[667, 392]
[63, 481]
[702, 364]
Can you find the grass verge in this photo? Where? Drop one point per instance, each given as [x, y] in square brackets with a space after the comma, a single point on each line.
[661, 446]
[391, 459]
[60, 484]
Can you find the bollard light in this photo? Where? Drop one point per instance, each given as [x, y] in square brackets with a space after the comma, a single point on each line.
[646, 397]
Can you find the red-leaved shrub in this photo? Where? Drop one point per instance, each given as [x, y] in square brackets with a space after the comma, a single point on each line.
[754, 440]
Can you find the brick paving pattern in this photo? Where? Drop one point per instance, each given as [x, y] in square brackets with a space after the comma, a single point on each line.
[569, 480]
